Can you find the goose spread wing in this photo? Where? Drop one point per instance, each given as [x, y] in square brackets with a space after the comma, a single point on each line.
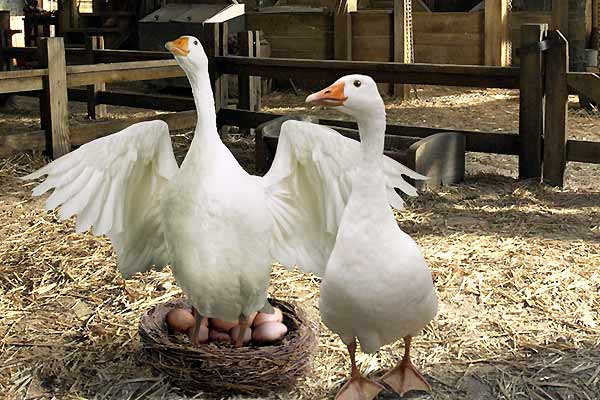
[308, 186]
[113, 185]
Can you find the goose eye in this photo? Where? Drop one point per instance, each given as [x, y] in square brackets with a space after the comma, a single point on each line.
[196, 42]
[357, 83]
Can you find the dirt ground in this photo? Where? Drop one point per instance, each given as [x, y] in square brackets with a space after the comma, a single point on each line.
[516, 266]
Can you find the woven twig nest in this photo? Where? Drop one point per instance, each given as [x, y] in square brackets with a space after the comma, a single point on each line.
[219, 368]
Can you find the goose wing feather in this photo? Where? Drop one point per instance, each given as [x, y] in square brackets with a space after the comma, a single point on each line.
[308, 186]
[113, 185]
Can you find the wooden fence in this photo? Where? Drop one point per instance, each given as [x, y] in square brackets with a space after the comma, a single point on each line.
[543, 79]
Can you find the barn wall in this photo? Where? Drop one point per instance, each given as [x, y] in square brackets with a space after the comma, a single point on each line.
[444, 38]
[295, 35]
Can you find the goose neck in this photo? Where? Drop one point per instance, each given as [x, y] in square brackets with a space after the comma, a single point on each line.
[372, 137]
[206, 126]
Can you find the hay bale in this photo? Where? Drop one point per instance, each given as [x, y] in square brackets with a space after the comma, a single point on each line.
[219, 368]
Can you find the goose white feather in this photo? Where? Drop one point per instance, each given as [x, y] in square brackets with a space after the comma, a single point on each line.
[219, 227]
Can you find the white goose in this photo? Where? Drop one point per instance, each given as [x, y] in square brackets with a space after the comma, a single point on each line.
[219, 227]
[377, 286]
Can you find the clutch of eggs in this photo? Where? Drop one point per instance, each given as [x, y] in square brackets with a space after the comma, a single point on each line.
[263, 328]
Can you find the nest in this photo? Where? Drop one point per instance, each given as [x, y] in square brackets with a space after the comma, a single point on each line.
[220, 369]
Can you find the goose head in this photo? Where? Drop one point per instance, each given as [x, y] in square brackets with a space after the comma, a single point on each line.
[188, 52]
[355, 95]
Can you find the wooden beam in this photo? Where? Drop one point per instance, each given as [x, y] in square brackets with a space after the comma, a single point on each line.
[82, 75]
[53, 103]
[585, 83]
[22, 81]
[387, 72]
[531, 111]
[83, 133]
[256, 81]
[484, 142]
[223, 51]
[583, 151]
[342, 29]
[557, 99]
[496, 33]
[245, 98]
[560, 16]
[101, 56]
[19, 142]
[94, 109]
[141, 100]
[212, 42]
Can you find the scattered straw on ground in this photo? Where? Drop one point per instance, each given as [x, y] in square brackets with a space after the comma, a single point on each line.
[516, 265]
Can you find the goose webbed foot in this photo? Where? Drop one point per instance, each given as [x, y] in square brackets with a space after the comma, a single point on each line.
[358, 387]
[405, 377]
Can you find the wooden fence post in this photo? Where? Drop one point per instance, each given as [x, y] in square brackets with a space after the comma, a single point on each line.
[211, 36]
[496, 33]
[531, 107]
[249, 89]
[53, 101]
[557, 99]
[256, 82]
[223, 51]
[94, 109]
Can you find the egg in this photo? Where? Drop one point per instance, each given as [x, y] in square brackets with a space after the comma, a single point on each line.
[236, 330]
[269, 332]
[202, 334]
[223, 326]
[262, 318]
[218, 336]
[180, 320]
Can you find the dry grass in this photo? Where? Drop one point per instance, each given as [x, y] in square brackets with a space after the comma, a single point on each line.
[516, 265]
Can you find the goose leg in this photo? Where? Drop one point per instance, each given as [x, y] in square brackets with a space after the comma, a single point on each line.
[196, 328]
[405, 377]
[243, 321]
[358, 387]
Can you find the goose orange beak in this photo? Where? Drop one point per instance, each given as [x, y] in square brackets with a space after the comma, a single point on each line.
[179, 47]
[330, 96]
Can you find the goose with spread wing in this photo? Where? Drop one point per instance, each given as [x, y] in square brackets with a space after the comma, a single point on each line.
[218, 227]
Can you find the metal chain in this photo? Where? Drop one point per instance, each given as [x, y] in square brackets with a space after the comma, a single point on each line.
[509, 44]
[409, 47]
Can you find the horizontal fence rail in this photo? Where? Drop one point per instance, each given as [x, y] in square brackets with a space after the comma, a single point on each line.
[384, 72]
[102, 56]
[82, 75]
[485, 142]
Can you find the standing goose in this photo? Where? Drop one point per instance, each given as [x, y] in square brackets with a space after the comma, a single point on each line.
[377, 287]
[217, 226]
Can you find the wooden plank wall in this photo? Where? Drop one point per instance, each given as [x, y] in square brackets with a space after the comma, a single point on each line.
[449, 38]
[444, 38]
[295, 35]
